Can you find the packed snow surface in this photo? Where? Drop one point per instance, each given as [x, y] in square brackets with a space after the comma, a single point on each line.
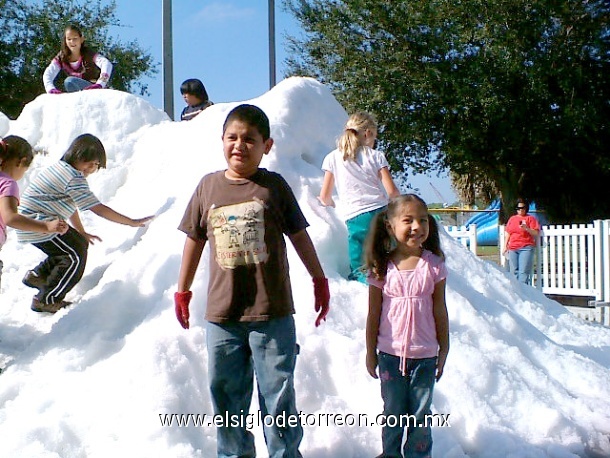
[524, 377]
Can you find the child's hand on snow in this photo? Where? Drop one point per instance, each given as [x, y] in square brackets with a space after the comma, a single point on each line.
[140, 222]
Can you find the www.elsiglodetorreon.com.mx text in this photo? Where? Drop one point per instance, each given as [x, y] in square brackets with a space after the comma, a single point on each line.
[254, 420]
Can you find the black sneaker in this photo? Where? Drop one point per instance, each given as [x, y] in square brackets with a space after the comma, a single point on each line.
[33, 280]
[38, 306]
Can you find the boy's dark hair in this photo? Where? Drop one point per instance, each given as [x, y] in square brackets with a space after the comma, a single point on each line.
[251, 115]
[85, 148]
[380, 243]
[194, 87]
[14, 147]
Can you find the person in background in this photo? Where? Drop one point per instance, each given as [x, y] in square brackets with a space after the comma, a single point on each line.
[196, 98]
[15, 158]
[85, 69]
[407, 328]
[245, 211]
[521, 232]
[61, 190]
[363, 181]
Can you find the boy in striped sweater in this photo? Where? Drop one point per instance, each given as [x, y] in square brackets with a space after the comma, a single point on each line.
[60, 191]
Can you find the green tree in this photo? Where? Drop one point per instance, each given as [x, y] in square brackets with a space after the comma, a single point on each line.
[517, 91]
[473, 189]
[31, 34]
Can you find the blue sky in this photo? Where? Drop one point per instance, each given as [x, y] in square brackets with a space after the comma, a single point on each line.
[224, 44]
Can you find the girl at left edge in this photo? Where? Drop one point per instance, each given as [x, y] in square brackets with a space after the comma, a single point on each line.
[16, 155]
[86, 69]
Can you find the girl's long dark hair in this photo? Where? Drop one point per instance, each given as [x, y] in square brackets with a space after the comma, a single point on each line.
[65, 53]
[380, 243]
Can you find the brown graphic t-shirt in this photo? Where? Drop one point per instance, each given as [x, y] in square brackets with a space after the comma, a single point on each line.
[245, 222]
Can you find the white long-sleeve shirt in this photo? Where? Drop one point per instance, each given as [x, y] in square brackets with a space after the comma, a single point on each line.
[76, 69]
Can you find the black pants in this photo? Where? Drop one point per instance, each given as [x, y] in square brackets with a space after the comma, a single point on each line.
[64, 267]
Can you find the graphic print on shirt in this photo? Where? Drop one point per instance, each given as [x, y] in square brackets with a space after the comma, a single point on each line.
[239, 231]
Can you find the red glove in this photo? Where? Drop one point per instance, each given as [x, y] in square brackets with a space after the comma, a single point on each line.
[182, 300]
[322, 295]
[94, 86]
[54, 91]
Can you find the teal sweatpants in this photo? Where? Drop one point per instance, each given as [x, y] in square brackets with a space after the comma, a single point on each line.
[357, 230]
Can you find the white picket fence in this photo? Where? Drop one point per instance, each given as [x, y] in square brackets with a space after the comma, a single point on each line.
[466, 236]
[571, 260]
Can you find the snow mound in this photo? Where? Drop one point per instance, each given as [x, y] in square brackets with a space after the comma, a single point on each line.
[524, 377]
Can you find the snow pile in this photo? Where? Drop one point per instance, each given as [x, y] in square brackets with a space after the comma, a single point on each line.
[524, 377]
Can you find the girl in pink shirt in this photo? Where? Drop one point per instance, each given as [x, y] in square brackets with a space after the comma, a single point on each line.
[15, 157]
[407, 328]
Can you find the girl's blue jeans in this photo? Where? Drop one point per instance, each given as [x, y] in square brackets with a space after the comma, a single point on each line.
[75, 84]
[521, 262]
[357, 230]
[409, 394]
[237, 351]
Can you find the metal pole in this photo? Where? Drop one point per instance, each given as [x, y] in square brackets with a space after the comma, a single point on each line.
[168, 60]
[271, 44]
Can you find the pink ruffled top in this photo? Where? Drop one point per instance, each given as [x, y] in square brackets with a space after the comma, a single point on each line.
[407, 327]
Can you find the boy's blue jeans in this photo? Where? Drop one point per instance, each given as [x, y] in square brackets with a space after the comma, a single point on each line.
[235, 352]
[406, 395]
[521, 262]
[357, 230]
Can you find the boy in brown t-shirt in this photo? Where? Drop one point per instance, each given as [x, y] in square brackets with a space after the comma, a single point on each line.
[244, 211]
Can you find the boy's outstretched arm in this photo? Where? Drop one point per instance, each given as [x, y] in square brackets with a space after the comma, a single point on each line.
[304, 247]
[191, 255]
[108, 213]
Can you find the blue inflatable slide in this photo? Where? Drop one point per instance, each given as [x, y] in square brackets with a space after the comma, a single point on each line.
[487, 224]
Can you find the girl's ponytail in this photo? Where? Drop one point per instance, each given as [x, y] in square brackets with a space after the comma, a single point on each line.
[3, 150]
[433, 242]
[378, 246]
[350, 142]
